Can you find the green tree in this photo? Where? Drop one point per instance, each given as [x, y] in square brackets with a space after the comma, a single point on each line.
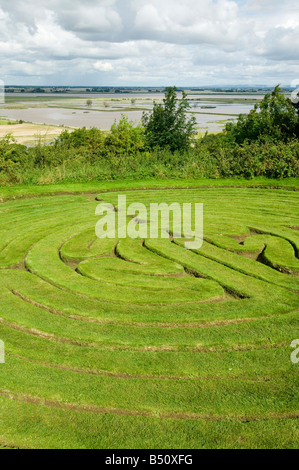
[125, 138]
[168, 126]
[274, 117]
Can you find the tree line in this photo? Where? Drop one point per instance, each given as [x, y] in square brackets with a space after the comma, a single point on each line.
[263, 143]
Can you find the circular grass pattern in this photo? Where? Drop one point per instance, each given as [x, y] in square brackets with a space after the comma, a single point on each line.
[142, 343]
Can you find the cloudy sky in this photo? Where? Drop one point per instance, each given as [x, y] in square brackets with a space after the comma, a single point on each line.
[155, 42]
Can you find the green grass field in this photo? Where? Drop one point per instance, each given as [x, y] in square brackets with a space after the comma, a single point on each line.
[142, 343]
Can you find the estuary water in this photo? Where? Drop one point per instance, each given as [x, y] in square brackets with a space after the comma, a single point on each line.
[72, 111]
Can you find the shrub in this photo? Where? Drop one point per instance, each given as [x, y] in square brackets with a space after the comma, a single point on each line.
[125, 139]
[12, 158]
[273, 118]
[88, 142]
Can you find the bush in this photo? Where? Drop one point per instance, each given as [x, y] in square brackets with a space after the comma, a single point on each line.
[12, 158]
[274, 118]
[273, 159]
[125, 139]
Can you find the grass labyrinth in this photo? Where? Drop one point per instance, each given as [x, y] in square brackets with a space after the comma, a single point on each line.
[142, 343]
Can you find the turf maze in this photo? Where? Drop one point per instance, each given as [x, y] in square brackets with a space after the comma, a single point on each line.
[141, 343]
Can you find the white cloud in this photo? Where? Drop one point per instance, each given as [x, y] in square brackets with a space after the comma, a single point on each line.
[103, 66]
[155, 42]
[149, 19]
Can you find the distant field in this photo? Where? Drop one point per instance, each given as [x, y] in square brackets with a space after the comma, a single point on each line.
[127, 343]
[29, 133]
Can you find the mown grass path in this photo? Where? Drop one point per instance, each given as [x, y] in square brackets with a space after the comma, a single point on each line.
[142, 343]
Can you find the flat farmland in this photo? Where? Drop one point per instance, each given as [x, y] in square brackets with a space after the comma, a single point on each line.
[28, 133]
[211, 111]
[122, 343]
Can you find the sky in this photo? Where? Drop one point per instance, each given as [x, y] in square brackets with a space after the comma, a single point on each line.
[149, 43]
